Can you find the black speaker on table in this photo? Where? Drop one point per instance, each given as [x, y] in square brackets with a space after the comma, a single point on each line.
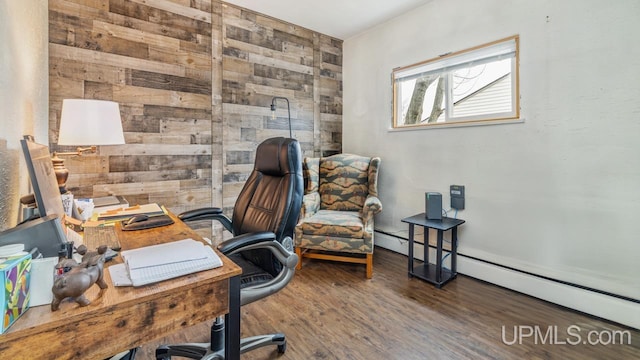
[433, 205]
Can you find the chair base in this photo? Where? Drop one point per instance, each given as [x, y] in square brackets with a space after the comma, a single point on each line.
[215, 349]
[323, 255]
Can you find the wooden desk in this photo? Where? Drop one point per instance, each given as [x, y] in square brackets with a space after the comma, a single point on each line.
[121, 318]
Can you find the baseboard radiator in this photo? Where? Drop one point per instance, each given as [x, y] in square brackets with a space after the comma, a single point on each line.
[593, 302]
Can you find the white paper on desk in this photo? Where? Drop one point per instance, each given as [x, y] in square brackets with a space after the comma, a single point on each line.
[164, 254]
[41, 281]
[119, 275]
[162, 262]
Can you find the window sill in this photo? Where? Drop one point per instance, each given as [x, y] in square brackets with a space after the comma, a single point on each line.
[457, 124]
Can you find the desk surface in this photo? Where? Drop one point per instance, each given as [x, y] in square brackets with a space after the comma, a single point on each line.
[120, 318]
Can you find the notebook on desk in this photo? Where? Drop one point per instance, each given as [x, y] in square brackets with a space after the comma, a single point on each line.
[162, 262]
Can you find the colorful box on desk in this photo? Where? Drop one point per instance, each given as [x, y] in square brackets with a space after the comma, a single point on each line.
[14, 294]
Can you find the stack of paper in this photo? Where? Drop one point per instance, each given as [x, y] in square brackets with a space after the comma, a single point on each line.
[161, 262]
[107, 203]
[122, 213]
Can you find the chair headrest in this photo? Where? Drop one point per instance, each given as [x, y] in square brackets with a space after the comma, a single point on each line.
[272, 156]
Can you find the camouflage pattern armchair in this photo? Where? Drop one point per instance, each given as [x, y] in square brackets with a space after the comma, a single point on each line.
[341, 198]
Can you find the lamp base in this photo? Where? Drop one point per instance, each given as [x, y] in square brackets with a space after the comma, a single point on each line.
[62, 173]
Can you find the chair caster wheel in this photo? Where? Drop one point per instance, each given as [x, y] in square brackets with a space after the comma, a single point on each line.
[282, 348]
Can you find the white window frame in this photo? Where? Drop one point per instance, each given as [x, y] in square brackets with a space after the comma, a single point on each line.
[496, 50]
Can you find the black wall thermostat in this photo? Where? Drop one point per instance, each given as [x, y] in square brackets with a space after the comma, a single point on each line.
[457, 196]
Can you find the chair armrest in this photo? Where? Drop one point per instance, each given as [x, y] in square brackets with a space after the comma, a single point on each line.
[260, 240]
[263, 240]
[372, 206]
[310, 205]
[241, 242]
[208, 213]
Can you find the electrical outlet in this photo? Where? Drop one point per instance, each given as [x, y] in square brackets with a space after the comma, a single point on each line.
[456, 193]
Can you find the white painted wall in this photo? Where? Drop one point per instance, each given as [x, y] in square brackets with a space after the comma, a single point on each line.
[24, 95]
[557, 195]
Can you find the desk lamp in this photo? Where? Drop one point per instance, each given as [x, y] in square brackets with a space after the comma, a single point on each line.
[273, 110]
[86, 122]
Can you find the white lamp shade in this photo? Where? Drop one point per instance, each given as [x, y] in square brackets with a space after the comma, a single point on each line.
[90, 122]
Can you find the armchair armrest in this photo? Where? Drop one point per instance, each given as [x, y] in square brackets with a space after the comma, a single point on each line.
[208, 213]
[263, 240]
[310, 204]
[372, 206]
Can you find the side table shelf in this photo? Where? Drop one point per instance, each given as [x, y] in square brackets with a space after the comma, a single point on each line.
[433, 273]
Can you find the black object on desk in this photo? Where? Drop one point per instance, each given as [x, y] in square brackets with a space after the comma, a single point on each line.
[433, 273]
[143, 221]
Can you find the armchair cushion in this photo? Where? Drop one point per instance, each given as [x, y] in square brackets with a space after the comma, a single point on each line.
[344, 182]
[334, 223]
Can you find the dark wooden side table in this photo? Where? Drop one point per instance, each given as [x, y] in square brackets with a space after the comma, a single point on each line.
[433, 273]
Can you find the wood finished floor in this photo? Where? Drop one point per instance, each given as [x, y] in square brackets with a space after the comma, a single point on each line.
[330, 311]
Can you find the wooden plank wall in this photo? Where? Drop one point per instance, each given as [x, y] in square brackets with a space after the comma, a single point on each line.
[154, 59]
[329, 93]
[194, 80]
[263, 58]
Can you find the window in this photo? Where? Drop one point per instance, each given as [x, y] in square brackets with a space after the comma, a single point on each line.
[470, 86]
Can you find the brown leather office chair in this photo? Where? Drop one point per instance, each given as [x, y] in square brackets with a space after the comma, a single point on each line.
[263, 221]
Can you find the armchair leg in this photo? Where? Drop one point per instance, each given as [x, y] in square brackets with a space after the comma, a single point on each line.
[319, 254]
[299, 253]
